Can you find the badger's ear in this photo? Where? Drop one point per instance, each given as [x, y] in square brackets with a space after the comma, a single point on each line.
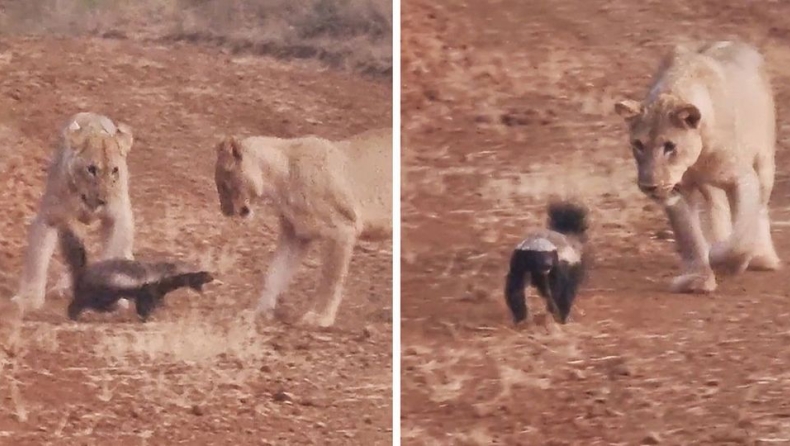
[125, 138]
[686, 116]
[628, 109]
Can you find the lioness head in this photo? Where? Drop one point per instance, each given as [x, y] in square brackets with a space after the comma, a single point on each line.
[238, 178]
[97, 167]
[665, 141]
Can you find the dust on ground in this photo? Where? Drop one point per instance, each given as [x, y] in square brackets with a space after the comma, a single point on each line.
[506, 103]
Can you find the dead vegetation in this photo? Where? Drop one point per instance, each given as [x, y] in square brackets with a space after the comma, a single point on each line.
[349, 34]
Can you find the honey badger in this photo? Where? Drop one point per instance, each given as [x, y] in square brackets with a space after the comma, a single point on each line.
[552, 260]
[100, 285]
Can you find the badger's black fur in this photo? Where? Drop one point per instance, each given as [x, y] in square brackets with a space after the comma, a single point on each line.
[552, 260]
[100, 285]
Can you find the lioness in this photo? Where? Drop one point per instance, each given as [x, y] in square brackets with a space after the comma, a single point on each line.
[87, 182]
[704, 140]
[335, 191]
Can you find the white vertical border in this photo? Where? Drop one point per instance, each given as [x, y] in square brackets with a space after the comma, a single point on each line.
[396, 194]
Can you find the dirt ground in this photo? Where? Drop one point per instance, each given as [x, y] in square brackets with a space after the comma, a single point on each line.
[202, 371]
[505, 103]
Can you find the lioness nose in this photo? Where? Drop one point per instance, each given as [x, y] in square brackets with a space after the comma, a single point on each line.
[647, 188]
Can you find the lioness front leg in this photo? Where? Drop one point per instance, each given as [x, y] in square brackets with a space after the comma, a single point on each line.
[697, 277]
[336, 259]
[117, 239]
[41, 242]
[285, 261]
[733, 255]
[117, 236]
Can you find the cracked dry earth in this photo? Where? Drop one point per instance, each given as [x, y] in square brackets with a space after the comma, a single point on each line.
[203, 372]
[506, 103]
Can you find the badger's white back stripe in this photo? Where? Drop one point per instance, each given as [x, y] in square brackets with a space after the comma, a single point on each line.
[536, 244]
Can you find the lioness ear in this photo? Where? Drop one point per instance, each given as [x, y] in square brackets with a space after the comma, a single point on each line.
[233, 146]
[74, 136]
[628, 109]
[686, 116]
[124, 138]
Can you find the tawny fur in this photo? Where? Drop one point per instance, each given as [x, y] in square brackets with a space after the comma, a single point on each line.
[336, 192]
[714, 103]
[87, 182]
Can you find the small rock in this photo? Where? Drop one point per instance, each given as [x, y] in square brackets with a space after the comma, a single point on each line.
[320, 425]
[197, 410]
[282, 396]
[651, 439]
[266, 369]
[665, 234]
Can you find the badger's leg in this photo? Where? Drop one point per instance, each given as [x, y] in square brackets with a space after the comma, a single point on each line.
[515, 284]
[145, 302]
[546, 286]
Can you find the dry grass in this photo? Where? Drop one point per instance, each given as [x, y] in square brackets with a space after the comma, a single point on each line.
[352, 34]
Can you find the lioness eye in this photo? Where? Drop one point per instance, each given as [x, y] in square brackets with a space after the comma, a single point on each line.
[669, 147]
[115, 170]
[92, 170]
[637, 145]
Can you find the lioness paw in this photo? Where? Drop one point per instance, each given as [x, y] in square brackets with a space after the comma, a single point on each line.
[727, 260]
[28, 303]
[765, 263]
[320, 320]
[701, 283]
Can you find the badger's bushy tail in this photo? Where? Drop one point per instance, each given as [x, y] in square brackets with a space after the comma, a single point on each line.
[568, 218]
[74, 252]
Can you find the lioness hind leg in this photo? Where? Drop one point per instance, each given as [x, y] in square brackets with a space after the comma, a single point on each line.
[336, 260]
[41, 242]
[765, 257]
[285, 261]
[716, 210]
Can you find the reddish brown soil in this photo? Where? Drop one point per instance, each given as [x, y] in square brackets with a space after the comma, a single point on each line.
[200, 372]
[506, 102]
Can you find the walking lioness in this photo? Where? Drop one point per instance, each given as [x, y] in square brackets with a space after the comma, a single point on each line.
[333, 191]
[87, 182]
[704, 140]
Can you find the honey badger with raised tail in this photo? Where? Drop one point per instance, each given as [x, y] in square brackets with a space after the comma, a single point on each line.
[553, 260]
[102, 284]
